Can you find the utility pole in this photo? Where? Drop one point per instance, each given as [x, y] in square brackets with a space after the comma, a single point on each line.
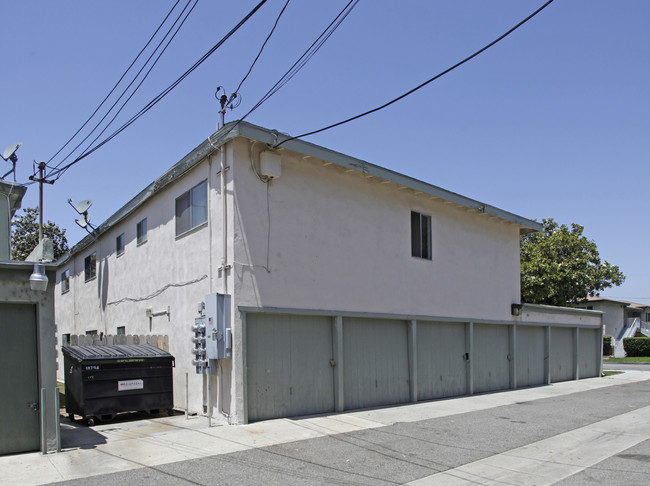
[41, 179]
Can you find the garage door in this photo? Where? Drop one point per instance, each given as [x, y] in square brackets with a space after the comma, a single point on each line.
[19, 399]
[562, 367]
[491, 366]
[588, 355]
[530, 356]
[289, 369]
[375, 362]
[441, 364]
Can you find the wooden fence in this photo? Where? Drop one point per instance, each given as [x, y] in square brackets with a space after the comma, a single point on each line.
[159, 341]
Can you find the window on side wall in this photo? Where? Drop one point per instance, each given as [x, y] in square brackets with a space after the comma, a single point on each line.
[192, 208]
[65, 339]
[141, 231]
[420, 235]
[90, 266]
[119, 244]
[65, 281]
[121, 330]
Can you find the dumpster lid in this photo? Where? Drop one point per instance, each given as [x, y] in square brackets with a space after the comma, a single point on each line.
[101, 351]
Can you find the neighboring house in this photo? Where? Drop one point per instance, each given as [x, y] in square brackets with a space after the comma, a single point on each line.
[29, 396]
[621, 319]
[350, 285]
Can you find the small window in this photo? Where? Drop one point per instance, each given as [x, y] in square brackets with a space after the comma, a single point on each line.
[90, 266]
[192, 208]
[65, 340]
[420, 235]
[121, 330]
[141, 231]
[65, 281]
[91, 333]
[119, 244]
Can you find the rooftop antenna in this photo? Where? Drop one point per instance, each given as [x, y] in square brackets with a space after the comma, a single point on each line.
[82, 208]
[9, 155]
[225, 101]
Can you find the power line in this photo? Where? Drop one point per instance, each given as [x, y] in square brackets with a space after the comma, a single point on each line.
[143, 78]
[302, 60]
[263, 45]
[161, 95]
[483, 49]
[117, 83]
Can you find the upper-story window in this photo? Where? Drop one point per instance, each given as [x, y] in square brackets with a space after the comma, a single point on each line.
[119, 244]
[90, 266]
[65, 281]
[192, 208]
[141, 231]
[420, 235]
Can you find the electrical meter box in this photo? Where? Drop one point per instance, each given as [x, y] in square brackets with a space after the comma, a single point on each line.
[218, 334]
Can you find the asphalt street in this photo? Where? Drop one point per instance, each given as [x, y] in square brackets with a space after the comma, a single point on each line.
[440, 450]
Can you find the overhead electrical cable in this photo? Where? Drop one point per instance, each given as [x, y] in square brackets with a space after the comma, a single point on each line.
[174, 28]
[302, 60]
[142, 80]
[483, 49]
[117, 83]
[263, 46]
[161, 95]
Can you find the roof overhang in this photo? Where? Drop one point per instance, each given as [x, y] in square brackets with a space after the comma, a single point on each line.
[255, 133]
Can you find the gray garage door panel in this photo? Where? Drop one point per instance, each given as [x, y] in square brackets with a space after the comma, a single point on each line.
[375, 362]
[288, 366]
[19, 423]
[530, 356]
[491, 366]
[588, 355]
[441, 365]
[562, 367]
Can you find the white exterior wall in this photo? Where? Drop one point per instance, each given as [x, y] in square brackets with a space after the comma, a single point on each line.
[145, 269]
[340, 241]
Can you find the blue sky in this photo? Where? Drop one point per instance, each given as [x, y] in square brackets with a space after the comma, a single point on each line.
[551, 122]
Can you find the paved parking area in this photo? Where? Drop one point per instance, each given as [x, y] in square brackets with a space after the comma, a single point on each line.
[567, 433]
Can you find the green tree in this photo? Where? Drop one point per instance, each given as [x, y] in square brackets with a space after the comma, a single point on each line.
[560, 266]
[24, 235]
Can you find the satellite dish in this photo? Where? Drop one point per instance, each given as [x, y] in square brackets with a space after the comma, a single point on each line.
[84, 206]
[10, 152]
[81, 222]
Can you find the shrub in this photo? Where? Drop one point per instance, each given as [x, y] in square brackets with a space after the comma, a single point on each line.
[607, 346]
[636, 347]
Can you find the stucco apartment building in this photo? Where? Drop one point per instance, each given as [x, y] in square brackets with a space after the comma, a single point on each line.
[349, 285]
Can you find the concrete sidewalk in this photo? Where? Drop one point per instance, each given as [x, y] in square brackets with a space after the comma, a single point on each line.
[124, 445]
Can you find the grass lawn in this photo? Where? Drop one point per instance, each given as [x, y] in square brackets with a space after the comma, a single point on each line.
[610, 373]
[638, 359]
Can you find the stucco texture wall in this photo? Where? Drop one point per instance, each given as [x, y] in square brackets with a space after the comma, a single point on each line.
[321, 237]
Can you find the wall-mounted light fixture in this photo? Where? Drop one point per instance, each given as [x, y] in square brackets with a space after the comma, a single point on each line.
[515, 309]
[38, 279]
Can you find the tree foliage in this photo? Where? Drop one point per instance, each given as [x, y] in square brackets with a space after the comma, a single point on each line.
[560, 266]
[24, 235]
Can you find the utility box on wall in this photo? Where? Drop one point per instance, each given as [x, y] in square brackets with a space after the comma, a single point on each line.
[218, 335]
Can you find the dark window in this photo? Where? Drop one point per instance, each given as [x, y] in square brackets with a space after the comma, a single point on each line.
[121, 330]
[141, 231]
[90, 266]
[65, 281]
[420, 235]
[192, 208]
[65, 339]
[119, 244]
[91, 333]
